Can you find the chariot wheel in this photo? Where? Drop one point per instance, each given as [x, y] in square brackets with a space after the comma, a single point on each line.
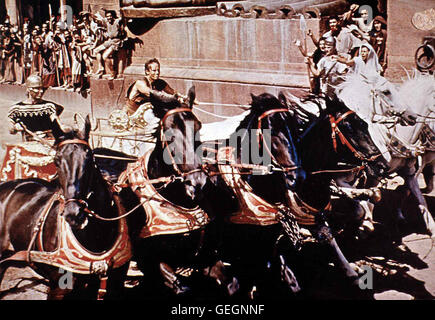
[119, 120]
[425, 57]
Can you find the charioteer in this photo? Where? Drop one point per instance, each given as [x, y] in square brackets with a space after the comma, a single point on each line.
[34, 116]
[138, 94]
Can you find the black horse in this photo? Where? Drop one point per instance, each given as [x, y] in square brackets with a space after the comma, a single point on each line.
[59, 225]
[171, 226]
[251, 174]
[324, 143]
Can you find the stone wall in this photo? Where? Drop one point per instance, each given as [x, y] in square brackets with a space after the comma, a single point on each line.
[403, 37]
[96, 5]
[226, 59]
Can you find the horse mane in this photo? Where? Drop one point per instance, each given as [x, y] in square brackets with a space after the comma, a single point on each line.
[259, 105]
[302, 117]
[354, 89]
[418, 91]
[69, 134]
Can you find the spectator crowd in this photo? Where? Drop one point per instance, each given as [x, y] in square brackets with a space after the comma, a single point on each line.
[65, 56]
[354, 43]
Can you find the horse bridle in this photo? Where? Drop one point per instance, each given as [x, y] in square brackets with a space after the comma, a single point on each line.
[65, 200]
[335, 131]
[165, 142]
[261, 138]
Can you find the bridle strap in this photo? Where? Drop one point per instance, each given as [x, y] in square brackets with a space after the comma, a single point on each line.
[73, 141]
[260, 135]
[173, 111]
[344, 141]
[268, 113]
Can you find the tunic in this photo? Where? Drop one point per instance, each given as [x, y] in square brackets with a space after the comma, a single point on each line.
[35, 117]
[133, 103]
[331, 72]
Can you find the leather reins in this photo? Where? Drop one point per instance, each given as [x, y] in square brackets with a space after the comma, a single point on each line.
[335, 131]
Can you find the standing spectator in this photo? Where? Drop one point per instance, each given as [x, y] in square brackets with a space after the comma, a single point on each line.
[66, 52]
[366, 63]
[362, 22]
[9, 59]
[27, 53]
[345, 41]
[78, 64]
[36, 53]
[18, 51]
[49, 78]
[44, 32]
[315, 56]
[63, 55]
[378, 39]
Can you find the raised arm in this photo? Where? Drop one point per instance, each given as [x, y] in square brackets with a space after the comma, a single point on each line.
[313, 37]
[313, 68]
[348, 62]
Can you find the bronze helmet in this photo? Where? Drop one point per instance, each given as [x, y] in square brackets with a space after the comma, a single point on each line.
[34, 81]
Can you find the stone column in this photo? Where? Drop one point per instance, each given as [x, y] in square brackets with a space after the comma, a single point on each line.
[13, 11]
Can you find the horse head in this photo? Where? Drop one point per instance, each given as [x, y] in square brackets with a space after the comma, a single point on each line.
[75, 168]
[264, 132]
[351, 139]
[177, 151]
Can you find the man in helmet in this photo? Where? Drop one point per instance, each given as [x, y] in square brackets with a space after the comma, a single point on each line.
[34, 116]
[330, 69]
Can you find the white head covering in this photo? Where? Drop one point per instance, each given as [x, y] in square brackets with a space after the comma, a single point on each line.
[369, 67]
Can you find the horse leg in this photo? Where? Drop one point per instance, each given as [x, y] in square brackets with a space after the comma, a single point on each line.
[223, 278]
[115, 283]
[367, 224]
[172, 280]
[428, 174]
[412, 183]
[324, 235]
[287, 276]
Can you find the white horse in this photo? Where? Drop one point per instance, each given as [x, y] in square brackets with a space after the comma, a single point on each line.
[400, 120]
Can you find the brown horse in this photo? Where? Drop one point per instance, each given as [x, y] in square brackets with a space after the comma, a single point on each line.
[57, 226]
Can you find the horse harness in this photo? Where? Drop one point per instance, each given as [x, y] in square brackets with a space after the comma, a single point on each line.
[335, 131]
[260, 137]
[163, 216]
[70, 255]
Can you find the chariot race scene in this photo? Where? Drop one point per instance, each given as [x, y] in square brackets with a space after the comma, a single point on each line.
[201, 150]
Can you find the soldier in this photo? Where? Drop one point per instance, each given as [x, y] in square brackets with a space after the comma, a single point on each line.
[330, 68]
[34, 116]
